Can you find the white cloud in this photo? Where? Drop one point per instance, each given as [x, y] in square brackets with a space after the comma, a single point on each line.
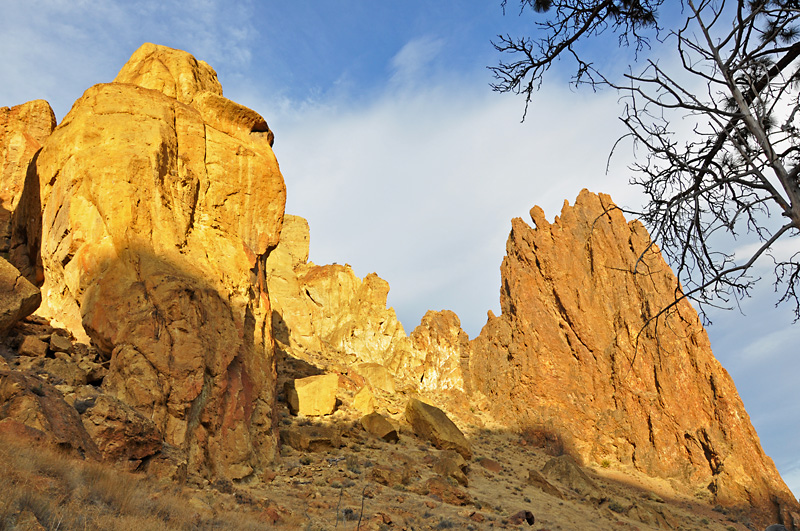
[414, 59]
[420, 185]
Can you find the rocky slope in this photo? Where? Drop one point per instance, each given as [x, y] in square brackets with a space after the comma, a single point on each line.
[183, 333]
[581, 360]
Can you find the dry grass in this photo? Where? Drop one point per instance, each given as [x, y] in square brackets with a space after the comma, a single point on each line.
[61, 492]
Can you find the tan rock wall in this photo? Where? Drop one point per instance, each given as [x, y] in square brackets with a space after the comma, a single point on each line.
[447, 351]
[156, 229]
[331, 312]
[23, 130]
[570, 358]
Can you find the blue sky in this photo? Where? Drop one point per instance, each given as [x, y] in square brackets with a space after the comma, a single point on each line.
[395, 149]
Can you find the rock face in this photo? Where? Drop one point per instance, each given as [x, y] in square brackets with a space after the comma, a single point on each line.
[446, 348]
[18, 297]
[562, 361]
[33, 409]
[329, 311]
[119, 431]
[161, 200]
[23, 130]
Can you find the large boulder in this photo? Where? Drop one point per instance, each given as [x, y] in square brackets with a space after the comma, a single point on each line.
[313, 395]
[120, 432]
[433, 424]
[580, 357]
[18, 297]
[161, 201]
[32, 409]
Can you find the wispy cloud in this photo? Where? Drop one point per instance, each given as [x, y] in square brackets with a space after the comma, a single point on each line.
[420, 184]
[51, 47]
[413, 63]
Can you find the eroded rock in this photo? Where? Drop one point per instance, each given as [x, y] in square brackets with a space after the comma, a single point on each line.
[566, 471]
[571, 359]
[451, 464]
[311, 438]
[120, 432]
[313, 395]
[18, 297]
[159, 212]
[32, 408]
[364, 400]
[23, 130]
[446, 349]
[330, 313]
[377, 375]
[379, 426]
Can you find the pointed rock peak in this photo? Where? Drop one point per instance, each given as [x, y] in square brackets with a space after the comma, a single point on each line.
[295, 239]
[174, 72]
[538, 218]
[573, 361]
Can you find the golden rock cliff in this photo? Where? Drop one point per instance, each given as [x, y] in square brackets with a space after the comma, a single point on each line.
[160, 202]
[574, 361]
[23, 130]
[330, 312]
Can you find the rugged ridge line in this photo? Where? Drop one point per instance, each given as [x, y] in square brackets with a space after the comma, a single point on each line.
[566, 361]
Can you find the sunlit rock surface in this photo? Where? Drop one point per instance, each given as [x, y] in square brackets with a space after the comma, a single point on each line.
[161, 200]
[572, 359]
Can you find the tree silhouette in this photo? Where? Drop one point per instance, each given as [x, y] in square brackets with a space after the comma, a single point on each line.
[729, 73]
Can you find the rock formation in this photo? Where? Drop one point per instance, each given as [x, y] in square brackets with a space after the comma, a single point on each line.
[153, 219]
[431, 423]
[574, 359]
[18, 297]
[329, 311]
[31, 409]
[23, 130]
[446, 351]
[160, 202]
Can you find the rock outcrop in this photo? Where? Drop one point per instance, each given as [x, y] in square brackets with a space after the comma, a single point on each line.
[160, 201]
[574, 358]
[330, 312]
[32, 409]
[18, 297]
[23, 130]
[431, 423]
[446, 349]
[313, 395]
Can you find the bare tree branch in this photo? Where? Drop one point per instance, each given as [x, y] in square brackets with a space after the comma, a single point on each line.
[737, 84]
